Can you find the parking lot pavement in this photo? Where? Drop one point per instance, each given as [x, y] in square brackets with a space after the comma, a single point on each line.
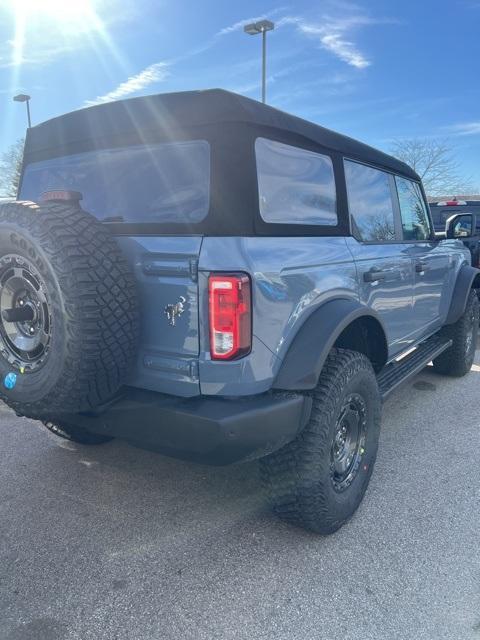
[116, 543]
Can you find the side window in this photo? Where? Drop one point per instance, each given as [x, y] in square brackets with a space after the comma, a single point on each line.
[295, 186]
[415, 221]
[370, 202]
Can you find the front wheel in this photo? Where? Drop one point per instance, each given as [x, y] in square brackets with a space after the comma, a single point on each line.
[318, 480]
[457, 360]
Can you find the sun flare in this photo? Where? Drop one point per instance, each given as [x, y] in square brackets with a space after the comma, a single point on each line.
[61, 11]
[40, 21]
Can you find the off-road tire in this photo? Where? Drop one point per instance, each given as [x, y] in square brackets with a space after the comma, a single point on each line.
[74, 433]
[93, 309]
[298, 477]
[457, 360]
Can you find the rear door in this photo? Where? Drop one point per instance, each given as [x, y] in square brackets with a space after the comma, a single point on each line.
[384, 267]
[432, 260]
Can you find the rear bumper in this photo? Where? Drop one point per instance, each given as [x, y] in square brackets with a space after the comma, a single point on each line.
[206, 429]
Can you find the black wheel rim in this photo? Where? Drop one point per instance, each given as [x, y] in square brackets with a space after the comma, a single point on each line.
[25, 318]
[349, 441]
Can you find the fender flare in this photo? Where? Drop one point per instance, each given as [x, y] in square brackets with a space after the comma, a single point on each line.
[458, 303]
[306, 355]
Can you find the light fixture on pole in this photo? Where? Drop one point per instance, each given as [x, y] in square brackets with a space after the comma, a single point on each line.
[253, 29]
[22, 97]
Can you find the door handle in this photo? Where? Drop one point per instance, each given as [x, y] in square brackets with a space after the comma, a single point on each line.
[420, 267]
[374, 276]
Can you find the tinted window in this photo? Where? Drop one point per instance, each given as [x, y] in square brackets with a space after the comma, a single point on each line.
[415, 222]
[295, 186]
[370, 202]
[158, 183]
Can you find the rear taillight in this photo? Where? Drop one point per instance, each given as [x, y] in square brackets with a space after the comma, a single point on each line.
[230, 312]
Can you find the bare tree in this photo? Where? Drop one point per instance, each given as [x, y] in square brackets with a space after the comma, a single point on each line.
[10, 169]
[435, 163]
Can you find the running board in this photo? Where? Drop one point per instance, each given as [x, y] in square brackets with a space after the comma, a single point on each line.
[396, 373]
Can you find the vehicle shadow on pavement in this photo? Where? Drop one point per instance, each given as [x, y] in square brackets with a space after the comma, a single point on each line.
[154, 492]
[98, 542]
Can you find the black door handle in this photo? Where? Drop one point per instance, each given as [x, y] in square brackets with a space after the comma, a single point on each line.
[420, 267]
[374, 276]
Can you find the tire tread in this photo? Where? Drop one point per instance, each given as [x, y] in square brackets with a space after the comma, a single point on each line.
[99, 301]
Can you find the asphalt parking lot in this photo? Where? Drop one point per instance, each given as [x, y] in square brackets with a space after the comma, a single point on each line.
[115, 543]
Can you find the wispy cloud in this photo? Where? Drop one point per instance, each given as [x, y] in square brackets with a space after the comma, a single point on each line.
[334, 34]
[464, 128]
[334, 41]
[156, 72]
[159, 71]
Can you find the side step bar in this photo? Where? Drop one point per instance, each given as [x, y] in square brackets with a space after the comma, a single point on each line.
[396, 373]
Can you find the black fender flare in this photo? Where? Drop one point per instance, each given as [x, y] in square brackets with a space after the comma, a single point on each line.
[458, 303]
[306, 355]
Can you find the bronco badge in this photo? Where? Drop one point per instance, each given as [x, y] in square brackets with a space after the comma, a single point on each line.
[174, 311]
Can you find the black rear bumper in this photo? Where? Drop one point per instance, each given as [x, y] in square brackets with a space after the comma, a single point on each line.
[205, 429]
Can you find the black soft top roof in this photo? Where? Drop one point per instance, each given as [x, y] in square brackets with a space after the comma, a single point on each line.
[171, 112]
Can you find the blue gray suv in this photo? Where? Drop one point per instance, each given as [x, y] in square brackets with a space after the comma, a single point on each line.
[206, 276]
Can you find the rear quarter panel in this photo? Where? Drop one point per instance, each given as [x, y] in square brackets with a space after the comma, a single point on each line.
[291, 277]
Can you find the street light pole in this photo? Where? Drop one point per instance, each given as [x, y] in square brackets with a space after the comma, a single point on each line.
[22, 97]
[28, 115]
[264, 66]
[253, 29]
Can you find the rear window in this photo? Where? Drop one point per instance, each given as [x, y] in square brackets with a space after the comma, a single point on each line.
[413, 211]
[161, 183]
[295, 186]
[370, 202]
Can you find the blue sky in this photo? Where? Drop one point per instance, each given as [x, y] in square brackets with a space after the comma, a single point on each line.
[374, 70]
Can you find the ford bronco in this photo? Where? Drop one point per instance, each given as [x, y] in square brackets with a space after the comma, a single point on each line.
[206, 276]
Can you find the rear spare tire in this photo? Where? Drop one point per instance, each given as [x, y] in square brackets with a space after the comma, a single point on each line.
[68, 310]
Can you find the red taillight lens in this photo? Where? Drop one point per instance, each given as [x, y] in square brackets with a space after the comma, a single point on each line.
[230, 313]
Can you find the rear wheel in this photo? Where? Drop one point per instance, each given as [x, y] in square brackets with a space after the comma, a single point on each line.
[458, 359]
[74, 433]
[318, 480]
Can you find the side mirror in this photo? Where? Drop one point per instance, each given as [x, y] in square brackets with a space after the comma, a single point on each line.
[459, 225]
